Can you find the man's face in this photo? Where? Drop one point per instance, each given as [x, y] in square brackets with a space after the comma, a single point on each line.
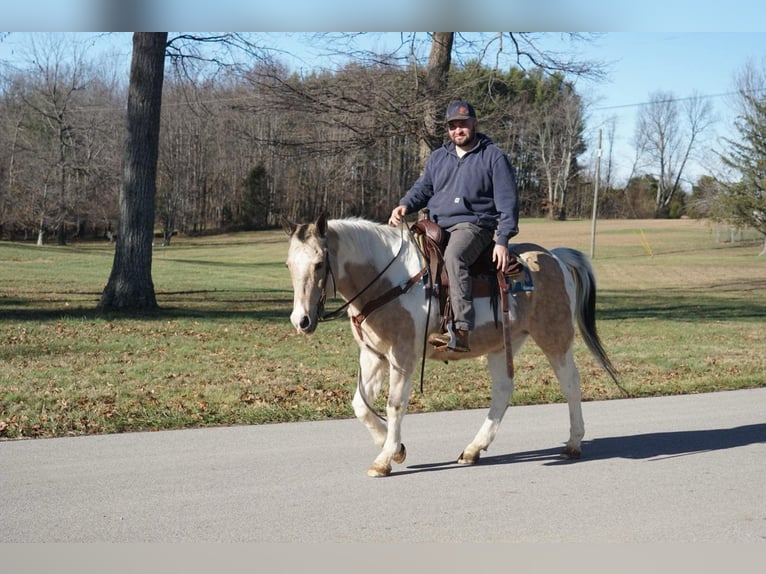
[462, 132]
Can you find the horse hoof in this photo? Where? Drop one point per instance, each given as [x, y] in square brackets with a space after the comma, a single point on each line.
[570, 453]
[466, 459]
[400, 455]
[379, 471]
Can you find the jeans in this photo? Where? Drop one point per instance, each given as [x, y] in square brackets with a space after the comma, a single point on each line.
[466, 243]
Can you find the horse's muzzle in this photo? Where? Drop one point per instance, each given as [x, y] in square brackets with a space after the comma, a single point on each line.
[303, 323]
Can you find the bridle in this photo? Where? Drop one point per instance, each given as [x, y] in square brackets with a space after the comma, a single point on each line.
[372, 305]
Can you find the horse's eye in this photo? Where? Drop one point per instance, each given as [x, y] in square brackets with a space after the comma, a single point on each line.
[318, 266]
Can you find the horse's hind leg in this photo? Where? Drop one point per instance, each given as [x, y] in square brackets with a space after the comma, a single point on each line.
[502, 389]
[569, 380]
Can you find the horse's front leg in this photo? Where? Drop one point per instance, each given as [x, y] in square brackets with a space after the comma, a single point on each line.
[400, 382]
[502, 389]
[372, 374]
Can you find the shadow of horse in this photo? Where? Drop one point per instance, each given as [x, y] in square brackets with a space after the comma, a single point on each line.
[649, 446]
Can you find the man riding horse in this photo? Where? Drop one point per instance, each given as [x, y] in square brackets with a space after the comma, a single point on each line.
[469, 187]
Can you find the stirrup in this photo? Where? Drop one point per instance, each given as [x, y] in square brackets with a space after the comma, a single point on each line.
[450, 341]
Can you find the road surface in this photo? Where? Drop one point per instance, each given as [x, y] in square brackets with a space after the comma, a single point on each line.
[669, 469]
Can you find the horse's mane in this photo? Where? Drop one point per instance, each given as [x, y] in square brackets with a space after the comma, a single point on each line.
[362, 239]
[366, 235]
[355, 223]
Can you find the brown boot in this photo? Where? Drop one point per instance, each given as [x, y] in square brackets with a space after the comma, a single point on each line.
[439, 339]
[446, 341]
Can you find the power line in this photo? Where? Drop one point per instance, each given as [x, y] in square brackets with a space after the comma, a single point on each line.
[674, 99]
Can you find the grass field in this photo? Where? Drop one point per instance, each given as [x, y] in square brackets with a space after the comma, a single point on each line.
[678, 311]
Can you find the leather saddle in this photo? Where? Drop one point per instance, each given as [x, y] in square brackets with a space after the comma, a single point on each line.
[485, 277]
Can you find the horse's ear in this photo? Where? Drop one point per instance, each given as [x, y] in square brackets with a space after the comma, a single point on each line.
[321, 224]
[287, 225]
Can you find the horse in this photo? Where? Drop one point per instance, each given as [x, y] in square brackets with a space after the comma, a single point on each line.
[379, 272]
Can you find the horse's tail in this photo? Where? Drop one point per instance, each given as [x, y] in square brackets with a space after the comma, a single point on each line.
[585, 309]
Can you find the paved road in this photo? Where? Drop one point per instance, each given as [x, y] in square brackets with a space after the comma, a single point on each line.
[686, 468]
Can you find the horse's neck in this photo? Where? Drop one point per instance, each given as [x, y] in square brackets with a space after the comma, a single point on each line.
[359, 254]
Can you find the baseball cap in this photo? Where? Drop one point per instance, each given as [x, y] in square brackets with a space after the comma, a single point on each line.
[460, 111]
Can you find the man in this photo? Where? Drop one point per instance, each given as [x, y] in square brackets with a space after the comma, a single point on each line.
[469, 187]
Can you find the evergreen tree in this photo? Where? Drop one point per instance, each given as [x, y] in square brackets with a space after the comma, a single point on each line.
[744, 201]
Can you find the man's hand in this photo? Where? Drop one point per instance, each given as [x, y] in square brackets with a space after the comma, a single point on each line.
[397, 215]
[500, 257]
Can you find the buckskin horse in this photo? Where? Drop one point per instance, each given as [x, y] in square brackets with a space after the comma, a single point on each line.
[380, 273]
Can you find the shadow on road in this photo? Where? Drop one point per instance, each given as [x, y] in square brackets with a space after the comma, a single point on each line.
[650, 446]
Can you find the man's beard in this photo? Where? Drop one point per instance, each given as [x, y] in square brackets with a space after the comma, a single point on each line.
[469, 142]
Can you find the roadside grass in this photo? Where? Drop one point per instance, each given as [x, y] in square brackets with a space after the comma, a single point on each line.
[677, 312]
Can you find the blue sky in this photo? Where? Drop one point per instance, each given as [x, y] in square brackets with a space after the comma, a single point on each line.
[684, 64]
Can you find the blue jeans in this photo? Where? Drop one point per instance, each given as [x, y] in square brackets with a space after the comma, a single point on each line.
[466, 243]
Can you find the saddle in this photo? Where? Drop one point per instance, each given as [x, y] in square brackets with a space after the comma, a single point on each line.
[485, 277]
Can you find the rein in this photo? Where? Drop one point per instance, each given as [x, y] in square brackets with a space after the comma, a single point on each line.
[389, 295]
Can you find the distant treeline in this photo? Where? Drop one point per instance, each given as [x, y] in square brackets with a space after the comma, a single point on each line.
[239, 147]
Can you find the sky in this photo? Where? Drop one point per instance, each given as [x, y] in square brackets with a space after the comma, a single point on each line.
[683, 64]
[683, 47]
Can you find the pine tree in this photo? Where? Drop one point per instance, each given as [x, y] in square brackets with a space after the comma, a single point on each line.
[744, 201]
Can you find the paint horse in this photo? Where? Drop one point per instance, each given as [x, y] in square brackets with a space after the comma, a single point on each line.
[379, 271]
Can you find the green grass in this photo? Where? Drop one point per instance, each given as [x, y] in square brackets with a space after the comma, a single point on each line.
[677, 311]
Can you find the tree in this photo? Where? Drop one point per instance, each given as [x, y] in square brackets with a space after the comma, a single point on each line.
[413, 84]
[639, 196]
[705, 199]
[255, 201]
[667, 133]
[58, 135]
[346, 140]
[437, 74]
[744, 200]
[558, 122]
[130, 285]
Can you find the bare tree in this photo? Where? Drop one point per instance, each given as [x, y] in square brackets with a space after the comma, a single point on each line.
[60, 74]
[558, 126]
[667, 132]
[609, 136]
[244, 135]
[130, 284]
[411, 90]
[59, 117]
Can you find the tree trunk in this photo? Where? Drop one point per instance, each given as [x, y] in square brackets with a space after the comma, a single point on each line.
[437, 74]
[130, 285]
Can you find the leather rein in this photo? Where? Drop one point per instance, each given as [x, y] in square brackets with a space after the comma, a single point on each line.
[372, 305]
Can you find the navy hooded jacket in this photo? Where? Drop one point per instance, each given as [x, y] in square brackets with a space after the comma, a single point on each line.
[479, 188]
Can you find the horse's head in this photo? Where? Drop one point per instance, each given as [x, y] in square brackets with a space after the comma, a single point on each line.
[308, 263]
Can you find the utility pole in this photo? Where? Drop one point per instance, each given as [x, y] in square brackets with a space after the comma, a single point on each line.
[595, 199]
